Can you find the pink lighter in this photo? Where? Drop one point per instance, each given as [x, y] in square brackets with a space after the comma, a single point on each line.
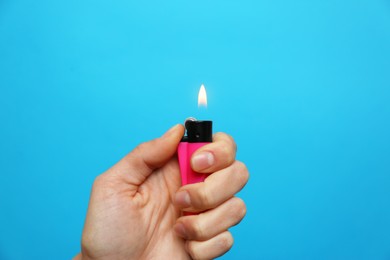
[199, 133]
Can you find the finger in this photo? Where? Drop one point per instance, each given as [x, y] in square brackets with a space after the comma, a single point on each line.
[216, 189]
[211, 248]
[214, 156]
[211, 223]
[149, 156]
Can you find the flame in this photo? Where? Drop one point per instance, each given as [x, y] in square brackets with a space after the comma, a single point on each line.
[202, 97]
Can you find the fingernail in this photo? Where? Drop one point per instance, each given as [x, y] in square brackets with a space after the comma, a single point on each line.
[182, 199]
[180, 230]
[202, 161]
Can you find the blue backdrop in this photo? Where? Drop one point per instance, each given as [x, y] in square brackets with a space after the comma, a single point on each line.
[303, 86]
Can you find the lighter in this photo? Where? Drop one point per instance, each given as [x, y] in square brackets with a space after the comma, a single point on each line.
[199, 133]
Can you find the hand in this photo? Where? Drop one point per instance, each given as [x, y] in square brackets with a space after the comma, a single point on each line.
[135, 207]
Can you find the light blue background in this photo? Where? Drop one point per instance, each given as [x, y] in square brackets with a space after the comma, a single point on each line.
[303, 86]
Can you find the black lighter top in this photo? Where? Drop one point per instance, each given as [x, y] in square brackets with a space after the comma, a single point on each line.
[198, 131]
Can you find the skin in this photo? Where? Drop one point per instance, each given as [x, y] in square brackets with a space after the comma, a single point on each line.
[135, 209]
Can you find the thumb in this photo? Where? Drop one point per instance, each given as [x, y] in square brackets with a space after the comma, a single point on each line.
[146, 157]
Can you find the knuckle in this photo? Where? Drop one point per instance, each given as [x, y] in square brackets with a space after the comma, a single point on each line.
[227, 151]
[225, 148]
[225, 242]
[226, 137]
[190, 248]
[242, 172]
[232, 142]
[197, 230]
[240, 166]
[204, 198]
[238, 209]
[227, 140]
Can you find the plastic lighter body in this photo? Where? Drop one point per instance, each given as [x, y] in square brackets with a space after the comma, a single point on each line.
[185, 152]
[199, 133]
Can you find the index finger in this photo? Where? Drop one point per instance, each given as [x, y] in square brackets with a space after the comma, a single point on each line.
[219, 154]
